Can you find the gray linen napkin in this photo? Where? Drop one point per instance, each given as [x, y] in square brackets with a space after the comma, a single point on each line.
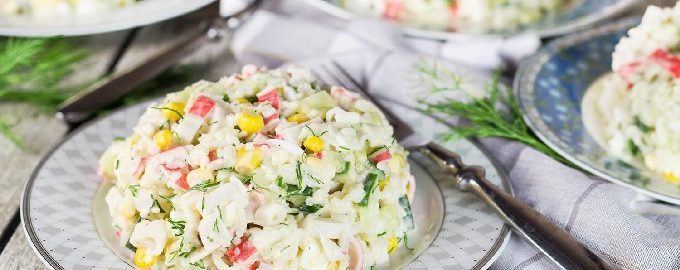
[626, 229]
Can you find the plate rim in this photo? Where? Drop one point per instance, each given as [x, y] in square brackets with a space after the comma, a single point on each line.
[527, 73]
[487, 260]
[620, 7]
[105, 27]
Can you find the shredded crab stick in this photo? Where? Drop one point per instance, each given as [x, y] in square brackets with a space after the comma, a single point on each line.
[188, 127]
[260, 171]
[379, 155]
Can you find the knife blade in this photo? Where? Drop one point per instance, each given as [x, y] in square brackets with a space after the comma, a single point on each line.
[554, 242]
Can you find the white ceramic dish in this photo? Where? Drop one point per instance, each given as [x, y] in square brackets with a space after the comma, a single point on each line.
[66, 219]
[141, 13]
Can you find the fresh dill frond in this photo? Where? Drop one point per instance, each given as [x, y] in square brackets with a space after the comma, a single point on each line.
[494, 114]
[6, 131]
[32, 71]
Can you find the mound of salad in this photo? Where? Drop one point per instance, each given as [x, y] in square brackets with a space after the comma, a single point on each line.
[642, 98]
[264, 169]
[59, 8]
[457, 15]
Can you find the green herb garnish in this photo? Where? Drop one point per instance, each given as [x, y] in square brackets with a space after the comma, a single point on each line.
[157, 204]
[309, 209]
[169, 109]
[633, 149]
[204, 186]
[345, 169]
[133, 189]
[130, 246]
[485, 118]
[198, 264]
[252, 99]
[298, 172]
[640, 125]
[408, 218]
[6, 131]
[370, 184]
[178, 226]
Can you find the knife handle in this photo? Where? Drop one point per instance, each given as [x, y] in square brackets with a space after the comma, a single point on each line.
[560, 247]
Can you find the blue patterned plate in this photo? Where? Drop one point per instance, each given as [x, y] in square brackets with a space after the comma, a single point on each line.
[549, 87]
[577, 15]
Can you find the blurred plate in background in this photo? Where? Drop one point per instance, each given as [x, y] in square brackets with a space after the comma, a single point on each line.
[550, 87]
[577, 14]
[138, 14]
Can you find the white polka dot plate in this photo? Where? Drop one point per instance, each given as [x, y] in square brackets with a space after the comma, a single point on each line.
[65, 218]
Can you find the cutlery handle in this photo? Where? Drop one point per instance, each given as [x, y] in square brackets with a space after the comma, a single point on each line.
[553, 241]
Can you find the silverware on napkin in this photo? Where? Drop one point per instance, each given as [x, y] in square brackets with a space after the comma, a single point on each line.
[109, 89]
[560, 247]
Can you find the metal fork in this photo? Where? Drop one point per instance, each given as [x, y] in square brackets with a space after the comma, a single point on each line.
[560, 247]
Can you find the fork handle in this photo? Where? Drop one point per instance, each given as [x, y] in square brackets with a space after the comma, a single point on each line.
[553, 241]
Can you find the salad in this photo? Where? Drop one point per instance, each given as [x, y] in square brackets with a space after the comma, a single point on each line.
[264, 169]
[59, 8]
[457, 15]
[642, 98]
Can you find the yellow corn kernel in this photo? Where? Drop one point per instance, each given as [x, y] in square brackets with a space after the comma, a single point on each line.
[242, 101]
[163, 139]
[392, 244]
[142, 260]
[250, 122]
[313, 143]
[248, 161]
[671, 177]
[173, 111]
[383, 183]
[298, 118]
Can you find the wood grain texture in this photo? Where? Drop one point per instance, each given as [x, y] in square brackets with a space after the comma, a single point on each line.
[19, 255]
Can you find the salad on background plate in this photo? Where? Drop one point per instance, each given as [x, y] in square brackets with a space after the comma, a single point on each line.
[59, 8]
[641, 97]
[463, 19]
[605, 99]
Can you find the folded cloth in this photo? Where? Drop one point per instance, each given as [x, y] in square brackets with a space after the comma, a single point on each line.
[625, 229]
[324, 33]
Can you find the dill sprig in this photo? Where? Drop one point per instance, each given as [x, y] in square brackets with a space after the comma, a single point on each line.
[6, 131]
[494, 114]
[32, 71]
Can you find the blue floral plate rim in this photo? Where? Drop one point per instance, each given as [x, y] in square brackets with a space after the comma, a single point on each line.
[524, 93]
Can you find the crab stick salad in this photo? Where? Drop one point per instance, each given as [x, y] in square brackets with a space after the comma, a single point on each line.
[642, 97]
[260, 170]
[457, 15]
[58, 8]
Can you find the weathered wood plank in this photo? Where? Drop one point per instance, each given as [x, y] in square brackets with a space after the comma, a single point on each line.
[19, 255]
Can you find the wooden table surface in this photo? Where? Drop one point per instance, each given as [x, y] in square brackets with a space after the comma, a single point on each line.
[109, 53]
